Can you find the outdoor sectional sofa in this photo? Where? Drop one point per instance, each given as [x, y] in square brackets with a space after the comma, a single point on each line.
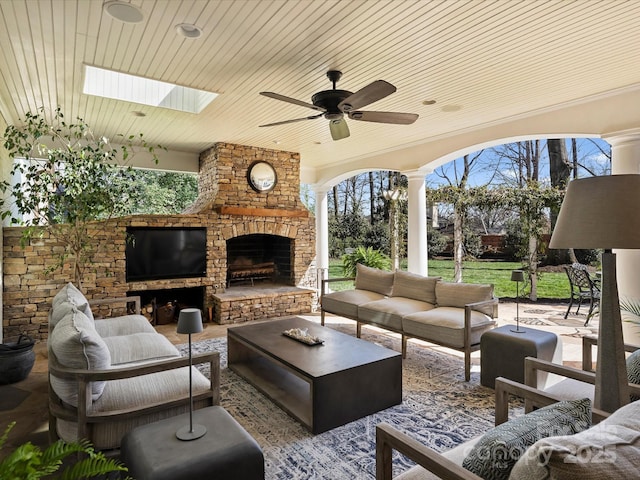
[454, 315]
[109, 376]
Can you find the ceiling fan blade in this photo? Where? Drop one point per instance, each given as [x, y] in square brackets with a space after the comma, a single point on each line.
[384, 117]
[371, 93]
[339, 129]
[277, 96]
[312, 117]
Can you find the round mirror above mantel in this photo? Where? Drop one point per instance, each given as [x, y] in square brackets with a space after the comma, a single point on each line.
[262, 176]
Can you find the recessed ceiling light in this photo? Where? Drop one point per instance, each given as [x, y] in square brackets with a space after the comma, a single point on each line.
[188, 30]
[138, 113]
[428, 102]
[451, 108]
[123, 11]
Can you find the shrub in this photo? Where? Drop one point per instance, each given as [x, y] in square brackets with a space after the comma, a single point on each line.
[472, 244]
[437, 242]
[365, 256]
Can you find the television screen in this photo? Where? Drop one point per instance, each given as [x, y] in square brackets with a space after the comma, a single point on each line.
[159, 253]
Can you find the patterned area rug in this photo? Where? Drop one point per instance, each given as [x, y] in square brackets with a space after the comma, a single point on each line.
[439, 409]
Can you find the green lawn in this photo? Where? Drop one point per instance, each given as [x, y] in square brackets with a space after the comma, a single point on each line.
[551, 285]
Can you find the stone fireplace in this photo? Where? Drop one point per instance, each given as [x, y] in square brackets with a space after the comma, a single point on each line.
[264, 246]
[272, 231]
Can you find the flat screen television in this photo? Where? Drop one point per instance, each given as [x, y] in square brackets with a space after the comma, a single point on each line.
[159, 253]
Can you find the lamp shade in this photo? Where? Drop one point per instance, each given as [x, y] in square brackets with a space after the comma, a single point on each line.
[517, 276]
[600, 212]
[190, 321]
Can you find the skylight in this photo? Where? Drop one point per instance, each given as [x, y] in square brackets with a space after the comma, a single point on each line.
[122, 86]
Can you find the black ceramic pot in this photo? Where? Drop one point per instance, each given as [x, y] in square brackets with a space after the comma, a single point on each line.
[16, 360]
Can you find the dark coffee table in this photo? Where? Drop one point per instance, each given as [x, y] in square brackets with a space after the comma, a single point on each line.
[322, 386]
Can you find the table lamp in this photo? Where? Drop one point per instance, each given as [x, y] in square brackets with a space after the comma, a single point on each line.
[602, 213]
[190, 321]
[517, 276]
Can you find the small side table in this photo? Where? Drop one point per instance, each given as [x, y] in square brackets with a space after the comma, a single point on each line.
[502, 352]
[225, 452]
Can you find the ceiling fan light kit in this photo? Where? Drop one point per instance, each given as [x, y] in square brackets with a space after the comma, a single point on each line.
[333, 104]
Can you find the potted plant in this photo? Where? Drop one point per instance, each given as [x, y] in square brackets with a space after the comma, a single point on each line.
[68, 178]
[29, 462]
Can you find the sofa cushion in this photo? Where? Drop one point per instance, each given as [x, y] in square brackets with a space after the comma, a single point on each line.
[69, 293]
[76, 344]
[450, 294]
[388, 312]
[139, 348]
[373, 279]
[157, 388]
[494, 456]
[633, 370]
[124, 325]
[569, 388]
[445, 325]
[346, 303]
[608, 450]
[456, 455]
[417, 287]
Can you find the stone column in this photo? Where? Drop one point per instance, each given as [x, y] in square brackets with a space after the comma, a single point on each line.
[417, 223]
[322, 233]
[625, 158]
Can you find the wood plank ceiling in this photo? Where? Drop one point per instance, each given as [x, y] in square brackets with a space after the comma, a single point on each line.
[480, 60]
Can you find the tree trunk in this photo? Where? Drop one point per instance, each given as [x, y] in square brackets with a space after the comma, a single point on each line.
[559, 172]
[457, 246]
[372, 202]
[533, 268]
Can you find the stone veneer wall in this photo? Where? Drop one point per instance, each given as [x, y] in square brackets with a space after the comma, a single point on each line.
[222, 180]
[29, 287]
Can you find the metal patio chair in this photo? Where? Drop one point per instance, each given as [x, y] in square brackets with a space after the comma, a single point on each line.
[583, 287]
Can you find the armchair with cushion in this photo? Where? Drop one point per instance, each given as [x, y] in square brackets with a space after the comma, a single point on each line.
[554, 442]
[574, 382]
[108, 376]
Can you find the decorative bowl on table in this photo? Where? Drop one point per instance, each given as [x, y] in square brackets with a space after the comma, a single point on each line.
[303, 335]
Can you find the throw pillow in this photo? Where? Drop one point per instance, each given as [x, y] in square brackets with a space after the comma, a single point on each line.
[449, 294]
[76, 344]
[633, 370]
[69, 293]
[61, 310]
[608, 450]
[416, 287]
[373, 279]
[498, 450]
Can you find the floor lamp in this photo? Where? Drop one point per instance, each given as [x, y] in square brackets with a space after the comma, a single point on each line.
[190, 321]
[517, 276]
[603, 213]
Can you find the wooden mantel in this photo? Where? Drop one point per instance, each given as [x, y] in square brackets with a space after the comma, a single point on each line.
[261, 212]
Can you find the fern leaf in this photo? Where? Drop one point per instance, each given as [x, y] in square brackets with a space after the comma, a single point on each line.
[90, 467]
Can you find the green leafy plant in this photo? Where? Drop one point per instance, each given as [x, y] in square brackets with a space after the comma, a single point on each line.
[29, 462]
[365, 256]
[632, 307]
[67, 179]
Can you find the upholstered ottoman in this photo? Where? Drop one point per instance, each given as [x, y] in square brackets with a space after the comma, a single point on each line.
[502, 353]
[225, 452]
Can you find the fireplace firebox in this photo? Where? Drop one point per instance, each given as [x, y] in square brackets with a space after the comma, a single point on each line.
[259, 257]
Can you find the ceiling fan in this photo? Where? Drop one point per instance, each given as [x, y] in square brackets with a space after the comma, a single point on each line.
[333, 104]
